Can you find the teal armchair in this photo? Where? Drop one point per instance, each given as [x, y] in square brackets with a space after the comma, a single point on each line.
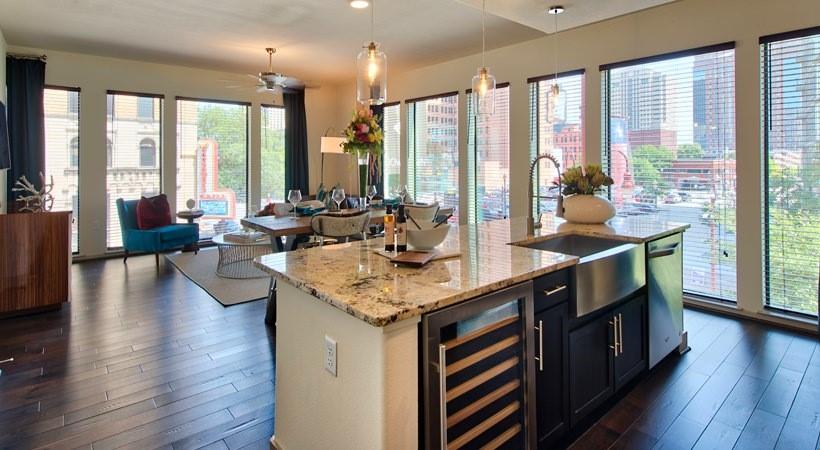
[155, 240]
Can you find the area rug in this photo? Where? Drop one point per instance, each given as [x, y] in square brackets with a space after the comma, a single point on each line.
[200, 269]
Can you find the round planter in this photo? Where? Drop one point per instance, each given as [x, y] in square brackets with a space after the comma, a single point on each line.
[587, 209]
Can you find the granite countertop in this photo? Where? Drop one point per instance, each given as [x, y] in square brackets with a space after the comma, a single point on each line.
[356, 280]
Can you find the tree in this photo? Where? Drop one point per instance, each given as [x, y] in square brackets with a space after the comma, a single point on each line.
[690, 151]
[648, 164]
[227, 125]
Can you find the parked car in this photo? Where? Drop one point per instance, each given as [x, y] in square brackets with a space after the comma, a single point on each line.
[672, 197]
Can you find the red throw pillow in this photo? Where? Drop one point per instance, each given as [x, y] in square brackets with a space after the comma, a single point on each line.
[153, 212]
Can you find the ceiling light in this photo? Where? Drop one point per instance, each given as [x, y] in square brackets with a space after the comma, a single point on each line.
[359, 4]
[555, 90]
[371, 70]
[483, 98]
[553, 10]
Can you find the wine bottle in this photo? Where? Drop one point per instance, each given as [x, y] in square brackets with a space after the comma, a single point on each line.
[389, 230]
[401, 230]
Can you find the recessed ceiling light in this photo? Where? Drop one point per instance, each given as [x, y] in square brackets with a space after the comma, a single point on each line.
[555, 10]
[359, 4]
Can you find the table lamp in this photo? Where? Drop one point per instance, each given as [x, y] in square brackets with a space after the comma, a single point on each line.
[330, 144]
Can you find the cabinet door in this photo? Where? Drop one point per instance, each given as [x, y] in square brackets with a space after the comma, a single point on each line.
[590, 366]
[552, 396]
[631, 359]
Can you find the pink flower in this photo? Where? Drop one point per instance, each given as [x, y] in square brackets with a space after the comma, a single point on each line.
[363, 128]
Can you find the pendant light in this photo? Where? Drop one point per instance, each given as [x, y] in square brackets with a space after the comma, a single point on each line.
[483, 98]
[554, 11]
[371, 69]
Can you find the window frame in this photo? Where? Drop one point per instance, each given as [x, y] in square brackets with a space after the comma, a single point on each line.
[262, 107]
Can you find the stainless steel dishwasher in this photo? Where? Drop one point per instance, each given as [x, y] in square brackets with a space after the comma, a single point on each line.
[665, 285]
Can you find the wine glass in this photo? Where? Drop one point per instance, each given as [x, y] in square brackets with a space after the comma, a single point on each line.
[403, 193]
[338, 197]
[294, 197]
[371, 192]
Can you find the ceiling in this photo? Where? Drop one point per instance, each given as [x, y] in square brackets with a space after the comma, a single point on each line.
[316, 40]
[577, 12]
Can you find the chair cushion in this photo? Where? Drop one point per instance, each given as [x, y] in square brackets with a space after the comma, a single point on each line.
[176, 232]
[153, 212]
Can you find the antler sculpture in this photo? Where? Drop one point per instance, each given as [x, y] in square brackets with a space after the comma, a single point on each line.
[33, 199]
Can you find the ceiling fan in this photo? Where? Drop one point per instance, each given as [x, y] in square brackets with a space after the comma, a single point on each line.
[270, 81]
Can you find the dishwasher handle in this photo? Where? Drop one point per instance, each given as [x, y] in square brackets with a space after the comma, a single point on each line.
[666, 251]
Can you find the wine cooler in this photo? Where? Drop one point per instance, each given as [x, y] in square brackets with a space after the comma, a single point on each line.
[475, 374]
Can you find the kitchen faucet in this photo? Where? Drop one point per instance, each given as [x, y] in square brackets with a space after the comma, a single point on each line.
[559, 207]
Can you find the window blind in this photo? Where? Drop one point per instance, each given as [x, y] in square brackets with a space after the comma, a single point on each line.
[273, 154]
[556, 127]
[669, 144]
[433, 151]
[790, 66]
[62, 131]
[133, 168]
[392, 147]
[489, 165]
[212, 162]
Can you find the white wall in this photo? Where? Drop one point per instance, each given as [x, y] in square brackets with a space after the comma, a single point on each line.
[95, 75]
[3, 99]
[680, 25]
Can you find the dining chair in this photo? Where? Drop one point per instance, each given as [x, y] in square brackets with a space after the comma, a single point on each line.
[422, 213]
[338, 227]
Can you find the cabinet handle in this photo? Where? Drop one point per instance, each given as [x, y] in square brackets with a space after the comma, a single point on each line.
[614, 322]
[555, 290]
[442, 393]
[621, 332]
[670, 250]
[540, 357]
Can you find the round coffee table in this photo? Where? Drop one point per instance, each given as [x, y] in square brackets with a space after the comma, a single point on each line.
[236, 258]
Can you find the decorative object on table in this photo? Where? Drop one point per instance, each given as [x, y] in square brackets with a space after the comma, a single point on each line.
[310, 207]
[190, 203]
[371, 69]
[364, 139]
[190, 215]
[245, 237]
[401, 230]
[33, 199]
[428, 235]
[157, 240]
[483, 98]
[423, 213]
[581, 204]
[559, 205]
[333, 145]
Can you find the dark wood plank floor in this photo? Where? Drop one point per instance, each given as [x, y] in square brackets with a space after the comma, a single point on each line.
[142, 358]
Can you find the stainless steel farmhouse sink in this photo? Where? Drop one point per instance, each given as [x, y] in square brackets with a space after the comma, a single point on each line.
[608, 270]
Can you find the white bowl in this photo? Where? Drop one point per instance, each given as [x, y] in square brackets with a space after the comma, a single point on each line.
[427, 238]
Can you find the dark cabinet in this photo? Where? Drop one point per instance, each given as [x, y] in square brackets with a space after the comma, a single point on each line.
[590, 366]
[632, 352]
[605, 354]
[551, 369]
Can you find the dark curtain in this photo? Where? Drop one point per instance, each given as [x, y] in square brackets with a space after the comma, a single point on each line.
[5, 156]
[296, 146]
[376, 169]
[25, 82]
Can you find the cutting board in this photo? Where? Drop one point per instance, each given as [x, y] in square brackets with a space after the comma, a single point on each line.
[415, 258]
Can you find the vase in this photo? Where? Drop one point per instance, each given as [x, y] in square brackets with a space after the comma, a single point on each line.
[587, 209]
[363, 169]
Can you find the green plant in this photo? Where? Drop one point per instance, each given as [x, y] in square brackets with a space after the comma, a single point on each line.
[585, 180]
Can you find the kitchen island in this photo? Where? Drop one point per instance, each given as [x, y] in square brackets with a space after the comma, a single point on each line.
[352, 368]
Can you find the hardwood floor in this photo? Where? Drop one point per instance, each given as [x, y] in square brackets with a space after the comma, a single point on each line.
[142, 358]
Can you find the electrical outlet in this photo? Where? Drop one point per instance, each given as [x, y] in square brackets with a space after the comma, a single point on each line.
[330, 355]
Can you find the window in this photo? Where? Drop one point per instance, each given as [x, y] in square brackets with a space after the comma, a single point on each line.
[133, 156]
[62, 127]
[145, 108]
[669, 144]
[212, 162]
[392, 147]
[148, 153]
[273, 154]
[432, 169]
[557, 128]
[791, 160]
[489, 153]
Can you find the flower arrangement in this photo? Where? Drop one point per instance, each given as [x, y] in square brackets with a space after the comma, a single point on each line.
[364, 135]
[585, 180]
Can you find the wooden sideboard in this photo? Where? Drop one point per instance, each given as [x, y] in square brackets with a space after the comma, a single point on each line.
[35, 261]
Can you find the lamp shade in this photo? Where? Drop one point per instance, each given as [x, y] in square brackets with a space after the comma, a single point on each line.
[332, 144]
[371, 78]
[5, 152]
[483, 93]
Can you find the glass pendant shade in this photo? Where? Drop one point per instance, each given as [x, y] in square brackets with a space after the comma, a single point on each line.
[371, 75]
[483, 92]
